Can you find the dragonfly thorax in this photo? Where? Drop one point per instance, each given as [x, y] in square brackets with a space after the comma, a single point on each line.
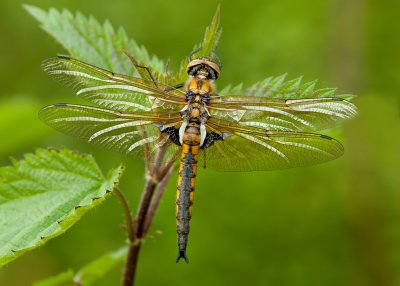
[195, 114]
[202, 87]
[198, 94]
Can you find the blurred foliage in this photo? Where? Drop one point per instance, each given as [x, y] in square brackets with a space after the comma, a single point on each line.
[90, 273]
[20, 111]
[333, 224]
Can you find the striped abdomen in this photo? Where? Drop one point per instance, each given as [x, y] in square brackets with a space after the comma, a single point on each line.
[186, 185]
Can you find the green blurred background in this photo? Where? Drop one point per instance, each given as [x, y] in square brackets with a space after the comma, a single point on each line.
[333, 224]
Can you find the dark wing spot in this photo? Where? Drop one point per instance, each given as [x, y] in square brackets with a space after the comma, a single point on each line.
[64, 57]
[325, 137]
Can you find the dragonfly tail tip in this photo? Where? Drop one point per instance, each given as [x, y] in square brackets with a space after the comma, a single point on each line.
[182, 254]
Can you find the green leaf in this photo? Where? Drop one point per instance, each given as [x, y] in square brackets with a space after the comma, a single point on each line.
[88, 274]
[88, 40]
[99, 44]
[208, 45]
[211, 36]
[307, 88]
[324, 92]
[277, 87]
[46, 193]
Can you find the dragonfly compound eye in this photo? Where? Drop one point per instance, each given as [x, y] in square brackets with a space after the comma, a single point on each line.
[205, 67]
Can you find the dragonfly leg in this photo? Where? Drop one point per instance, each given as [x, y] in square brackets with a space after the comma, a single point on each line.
[194, 52]
[176, 86]
[216, 58]
[179, 85]
[135, 63]
[149, 72]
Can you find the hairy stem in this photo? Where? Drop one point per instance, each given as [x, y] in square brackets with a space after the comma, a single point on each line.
[134, 246]
[128, 215]
[156, 199]
[144, 206]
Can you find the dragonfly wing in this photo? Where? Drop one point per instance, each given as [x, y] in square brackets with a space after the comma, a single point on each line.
[110, 90]
[309, 114]
[122, 132]
[254, 150]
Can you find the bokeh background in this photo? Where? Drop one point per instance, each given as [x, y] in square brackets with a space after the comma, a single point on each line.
[332, 224]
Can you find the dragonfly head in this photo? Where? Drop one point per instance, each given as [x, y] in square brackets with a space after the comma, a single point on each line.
[203, 68]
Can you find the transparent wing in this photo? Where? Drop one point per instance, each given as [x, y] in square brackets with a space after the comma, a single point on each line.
[254, 150]
[121, 132]
[310, 114]
[111, 90]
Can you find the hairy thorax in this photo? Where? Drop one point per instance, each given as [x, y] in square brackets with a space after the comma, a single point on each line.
[198, 92]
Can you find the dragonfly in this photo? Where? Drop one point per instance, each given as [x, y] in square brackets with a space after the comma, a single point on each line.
[225, 132]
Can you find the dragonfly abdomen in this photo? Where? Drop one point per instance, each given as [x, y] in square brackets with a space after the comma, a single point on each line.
[186, 186]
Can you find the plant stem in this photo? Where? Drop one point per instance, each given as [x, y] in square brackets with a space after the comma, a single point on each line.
[134, 246]
[128, 215]
[156, 199]
[131, 263]
[157, 177]
[144, 206]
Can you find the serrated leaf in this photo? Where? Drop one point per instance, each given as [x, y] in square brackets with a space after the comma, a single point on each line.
[88, 274]
[46, 193]
[277, 87]
[276, 82]
[226, 90]
[306, 89]
[259, 88]
[237, 88]
[293, 85]
[208, 45]
[324, 92]
[88, 40]
[211, 36]
[229, 89]
[348, 97]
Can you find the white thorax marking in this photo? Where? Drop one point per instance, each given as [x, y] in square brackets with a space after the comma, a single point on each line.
[203, 133]
[182, 131]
